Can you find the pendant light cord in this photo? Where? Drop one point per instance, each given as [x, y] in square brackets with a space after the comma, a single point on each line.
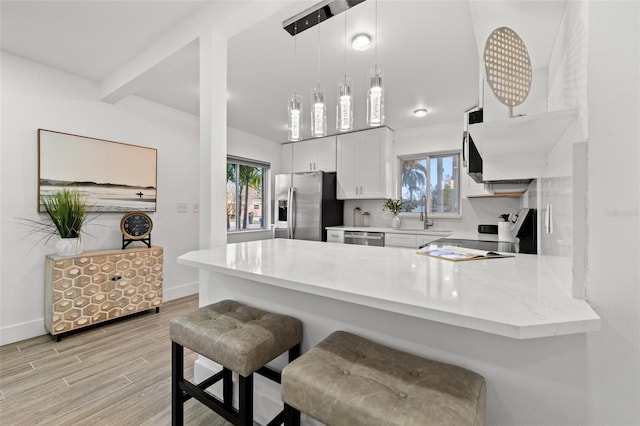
[318, 59]
[295, 59]
[377, 38]
[345, 46]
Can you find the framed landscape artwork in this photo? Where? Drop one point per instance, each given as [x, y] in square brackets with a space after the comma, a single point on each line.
[113, 176]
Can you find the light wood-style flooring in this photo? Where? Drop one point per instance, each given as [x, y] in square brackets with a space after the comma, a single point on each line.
[117, 374]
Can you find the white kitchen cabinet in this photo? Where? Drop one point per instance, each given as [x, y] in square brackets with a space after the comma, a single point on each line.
[366, 165]
[408, 240]
[399, 240]
[334, 236]
[311, 155]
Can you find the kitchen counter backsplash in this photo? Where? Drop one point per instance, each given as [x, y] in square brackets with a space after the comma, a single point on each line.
[474, 212]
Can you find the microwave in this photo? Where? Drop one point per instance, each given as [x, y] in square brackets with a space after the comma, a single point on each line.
[470, 155]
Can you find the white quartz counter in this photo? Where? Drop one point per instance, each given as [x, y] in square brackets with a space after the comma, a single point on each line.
[516, 297]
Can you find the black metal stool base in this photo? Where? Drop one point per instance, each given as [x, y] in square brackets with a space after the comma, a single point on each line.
[182, 390]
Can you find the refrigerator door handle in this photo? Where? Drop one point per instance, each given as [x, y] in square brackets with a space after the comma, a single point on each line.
[294, 209]
[291, 218]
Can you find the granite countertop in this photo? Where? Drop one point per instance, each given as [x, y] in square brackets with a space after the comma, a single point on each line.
[517, 297]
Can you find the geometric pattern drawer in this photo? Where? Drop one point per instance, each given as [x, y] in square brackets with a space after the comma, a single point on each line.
[97, 286]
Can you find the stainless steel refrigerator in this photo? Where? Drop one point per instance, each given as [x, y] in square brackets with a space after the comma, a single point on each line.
[305, 204]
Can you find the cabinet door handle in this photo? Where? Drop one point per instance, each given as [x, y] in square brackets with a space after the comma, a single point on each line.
[116, 278]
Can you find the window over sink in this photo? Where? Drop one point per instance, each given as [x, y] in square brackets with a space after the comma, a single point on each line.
[435, 175]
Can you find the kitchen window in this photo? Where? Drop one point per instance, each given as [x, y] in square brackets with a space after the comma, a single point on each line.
[245, 192]
[437, 176]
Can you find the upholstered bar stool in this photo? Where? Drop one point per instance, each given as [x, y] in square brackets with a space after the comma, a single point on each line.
[348, 380]
[241, 339]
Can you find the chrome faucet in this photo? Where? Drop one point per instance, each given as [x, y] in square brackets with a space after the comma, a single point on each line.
[426, 223]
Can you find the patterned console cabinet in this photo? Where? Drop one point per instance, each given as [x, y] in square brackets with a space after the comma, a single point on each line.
[96, 286]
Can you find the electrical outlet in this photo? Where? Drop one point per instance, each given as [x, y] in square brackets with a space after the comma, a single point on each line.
[183, 207]
[196, 207]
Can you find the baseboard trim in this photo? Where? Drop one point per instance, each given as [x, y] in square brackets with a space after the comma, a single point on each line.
[180, 291]
[24, 330]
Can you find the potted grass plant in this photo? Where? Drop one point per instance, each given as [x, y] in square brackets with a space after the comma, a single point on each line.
[68, 210]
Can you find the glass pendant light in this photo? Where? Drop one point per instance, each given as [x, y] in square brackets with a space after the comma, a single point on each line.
[375, 94]
[375, 100]
[318, 113]
[294, 106]
[318, 108]
[344, 106]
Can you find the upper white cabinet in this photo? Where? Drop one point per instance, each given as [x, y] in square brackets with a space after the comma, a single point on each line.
[365, 165]
[311, 155]
[517, 148]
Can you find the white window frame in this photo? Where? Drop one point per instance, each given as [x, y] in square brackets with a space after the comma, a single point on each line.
[428, 157]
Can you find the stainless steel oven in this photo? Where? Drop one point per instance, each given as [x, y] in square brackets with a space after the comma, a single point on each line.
[363, 238]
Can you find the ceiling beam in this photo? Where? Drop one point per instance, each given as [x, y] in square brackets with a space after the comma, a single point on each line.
[222, 18]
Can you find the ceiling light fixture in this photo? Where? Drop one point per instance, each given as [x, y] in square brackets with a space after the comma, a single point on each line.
[344, 105]
[420, 112]
[375, 95]
[318, 109]
[317, 13]
[361, 42]
[294, 106]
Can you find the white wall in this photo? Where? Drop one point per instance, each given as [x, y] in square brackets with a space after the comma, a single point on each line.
[35, 96]
[612, 356]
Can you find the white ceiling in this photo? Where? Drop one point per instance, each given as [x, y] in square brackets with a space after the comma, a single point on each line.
[427, 50]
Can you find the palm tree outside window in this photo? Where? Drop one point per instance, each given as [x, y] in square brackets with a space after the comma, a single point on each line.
[438, 177]
[245, 189]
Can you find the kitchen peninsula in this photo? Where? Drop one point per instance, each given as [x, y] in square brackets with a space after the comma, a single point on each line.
[516, 297]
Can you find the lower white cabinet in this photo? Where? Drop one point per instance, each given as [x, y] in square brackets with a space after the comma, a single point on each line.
[334, 236]
[399, 240]
[408, 240]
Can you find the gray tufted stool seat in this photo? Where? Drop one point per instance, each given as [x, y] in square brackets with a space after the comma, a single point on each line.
[241, 339]
[348, 380]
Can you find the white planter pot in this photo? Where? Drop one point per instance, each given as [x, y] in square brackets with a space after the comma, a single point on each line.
[69, 246]
[395, 222]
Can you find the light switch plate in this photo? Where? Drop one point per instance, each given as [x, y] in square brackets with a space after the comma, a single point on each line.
[196, 207]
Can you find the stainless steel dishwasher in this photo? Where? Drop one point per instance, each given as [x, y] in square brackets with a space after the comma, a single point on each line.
[363, 238]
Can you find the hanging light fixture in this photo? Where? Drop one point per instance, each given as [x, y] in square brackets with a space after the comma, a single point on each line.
[344, 105]
[375, 94]
[294, 106]
[318, 108]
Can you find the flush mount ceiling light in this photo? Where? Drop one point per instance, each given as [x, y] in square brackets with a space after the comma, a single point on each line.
[361, 42]
[420, 112]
